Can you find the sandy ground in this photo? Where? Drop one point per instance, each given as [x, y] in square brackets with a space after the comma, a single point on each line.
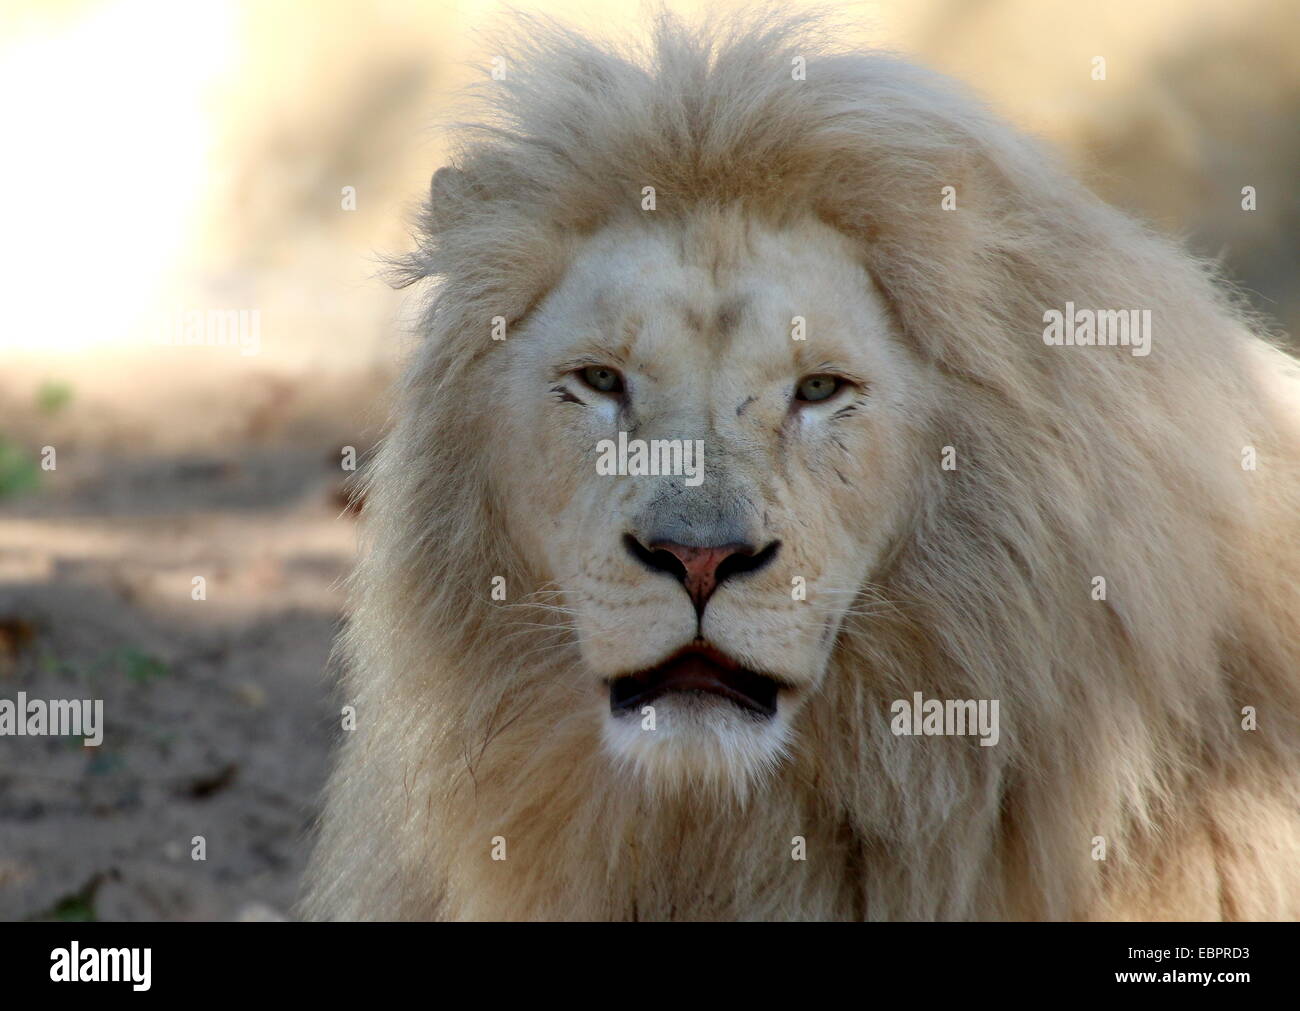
[216, 711]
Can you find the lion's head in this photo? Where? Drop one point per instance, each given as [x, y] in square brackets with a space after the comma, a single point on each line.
[707, 441]
[811, 285]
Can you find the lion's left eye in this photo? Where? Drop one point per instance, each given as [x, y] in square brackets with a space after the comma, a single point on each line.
[819, 387]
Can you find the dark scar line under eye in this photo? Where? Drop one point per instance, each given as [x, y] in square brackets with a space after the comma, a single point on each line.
[740, 409]
[566, 397]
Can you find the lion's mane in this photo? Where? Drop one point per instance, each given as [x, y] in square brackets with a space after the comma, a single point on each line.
[1122, 719]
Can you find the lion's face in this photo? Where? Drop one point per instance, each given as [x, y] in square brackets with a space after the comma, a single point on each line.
[713, 594]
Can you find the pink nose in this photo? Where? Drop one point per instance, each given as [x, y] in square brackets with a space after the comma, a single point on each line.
[702, 567]
[699, 569]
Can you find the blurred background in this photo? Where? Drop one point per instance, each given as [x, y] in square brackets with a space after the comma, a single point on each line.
[245, 165]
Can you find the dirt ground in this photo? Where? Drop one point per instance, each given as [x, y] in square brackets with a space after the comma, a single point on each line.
[217, 711]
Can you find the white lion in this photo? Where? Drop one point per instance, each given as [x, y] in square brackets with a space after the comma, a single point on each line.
[585, 695]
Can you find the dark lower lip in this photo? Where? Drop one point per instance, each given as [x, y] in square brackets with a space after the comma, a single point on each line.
[699, 671]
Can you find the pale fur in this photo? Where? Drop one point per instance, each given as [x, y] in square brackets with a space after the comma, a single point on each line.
[1122, 718]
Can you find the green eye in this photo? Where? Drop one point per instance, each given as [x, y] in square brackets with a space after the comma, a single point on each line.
[600, 378]
[818, 387]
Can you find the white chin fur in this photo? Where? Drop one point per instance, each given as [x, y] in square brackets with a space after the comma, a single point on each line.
[698, 742]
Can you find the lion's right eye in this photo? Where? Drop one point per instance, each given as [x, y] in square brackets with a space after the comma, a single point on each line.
[602, 379]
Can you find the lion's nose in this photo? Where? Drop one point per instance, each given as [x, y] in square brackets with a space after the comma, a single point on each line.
[700, 569]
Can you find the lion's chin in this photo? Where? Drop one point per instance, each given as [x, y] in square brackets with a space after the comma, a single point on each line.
[696, 739]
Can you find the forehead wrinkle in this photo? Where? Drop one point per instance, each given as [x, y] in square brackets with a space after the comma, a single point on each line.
[606, 308]
[693, 319]
[716, 326]
[730, 312]
[817, 355]
[618, 322]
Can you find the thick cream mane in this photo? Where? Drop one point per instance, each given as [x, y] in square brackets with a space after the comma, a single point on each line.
[1121, 719]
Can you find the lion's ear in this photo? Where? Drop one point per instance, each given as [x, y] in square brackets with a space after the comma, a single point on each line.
[451, 200]
[450, 191]
[446, 184]
[458, 193]
[466, 200]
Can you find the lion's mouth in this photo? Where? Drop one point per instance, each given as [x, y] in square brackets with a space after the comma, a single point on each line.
[699, 669]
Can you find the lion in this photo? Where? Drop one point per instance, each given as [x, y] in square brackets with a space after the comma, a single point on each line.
[588, 685]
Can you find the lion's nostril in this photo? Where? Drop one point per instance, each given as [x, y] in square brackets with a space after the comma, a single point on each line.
[746, 561]
[659, 560]
[700, 569]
